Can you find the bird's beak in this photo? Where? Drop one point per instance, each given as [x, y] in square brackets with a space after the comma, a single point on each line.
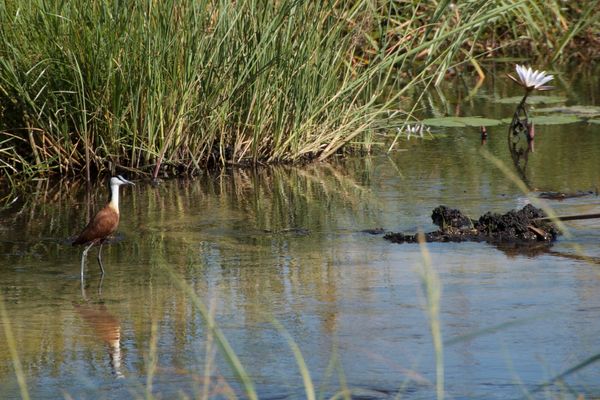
[125, 180]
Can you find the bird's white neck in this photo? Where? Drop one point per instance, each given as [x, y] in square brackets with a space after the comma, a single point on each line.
[114, 197]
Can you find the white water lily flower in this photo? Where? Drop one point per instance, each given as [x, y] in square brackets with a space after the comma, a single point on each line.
[532, 79]
[413, 130]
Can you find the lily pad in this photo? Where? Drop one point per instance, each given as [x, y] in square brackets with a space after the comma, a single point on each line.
[460, 122]
[444, 122]
[532, 100]
[550, 119]
[581, 111]
[555, 119]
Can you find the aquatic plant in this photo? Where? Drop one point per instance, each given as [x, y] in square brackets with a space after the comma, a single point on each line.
[432, 289]
[417, 130]
[14, 354]
[530, 80]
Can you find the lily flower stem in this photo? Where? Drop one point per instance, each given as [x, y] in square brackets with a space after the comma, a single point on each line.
[521, 106]
[517, 123]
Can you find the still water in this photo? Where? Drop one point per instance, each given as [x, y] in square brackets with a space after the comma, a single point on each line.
[285, 244]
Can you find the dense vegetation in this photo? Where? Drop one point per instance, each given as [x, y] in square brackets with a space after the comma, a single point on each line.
[153, 86]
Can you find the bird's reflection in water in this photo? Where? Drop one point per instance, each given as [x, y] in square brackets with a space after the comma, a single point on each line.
[105, 326]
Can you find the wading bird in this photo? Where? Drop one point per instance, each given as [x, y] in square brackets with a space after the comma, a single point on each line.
[103, 224]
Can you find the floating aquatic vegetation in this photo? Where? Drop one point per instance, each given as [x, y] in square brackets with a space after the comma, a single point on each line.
[551, 119]
[578, 110]
[532, 99]
[555, 119]
[461, 122]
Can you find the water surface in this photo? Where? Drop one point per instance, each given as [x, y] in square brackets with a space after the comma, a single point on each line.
[285, 243]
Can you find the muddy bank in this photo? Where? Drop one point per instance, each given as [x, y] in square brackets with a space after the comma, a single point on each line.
[516, 226]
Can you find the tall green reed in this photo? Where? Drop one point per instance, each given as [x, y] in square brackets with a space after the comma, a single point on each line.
[153, 82]
[431, 284]
[169, 86]
[12, 348]
[216, 333]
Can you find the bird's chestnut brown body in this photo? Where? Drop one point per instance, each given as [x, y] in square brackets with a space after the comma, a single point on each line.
[100, 227]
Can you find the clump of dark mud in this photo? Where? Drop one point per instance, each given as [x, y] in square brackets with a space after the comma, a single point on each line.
[522, 226]
[445, 217]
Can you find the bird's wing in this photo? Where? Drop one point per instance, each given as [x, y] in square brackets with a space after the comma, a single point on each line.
[103, 224]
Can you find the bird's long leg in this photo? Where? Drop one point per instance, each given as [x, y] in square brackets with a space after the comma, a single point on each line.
[100, 259]
[100, 285]
[83, 256]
